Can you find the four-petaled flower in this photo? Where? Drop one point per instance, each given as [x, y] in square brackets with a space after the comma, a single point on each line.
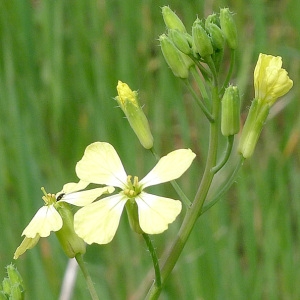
[270, 80]
[98, 221]
[48, 219]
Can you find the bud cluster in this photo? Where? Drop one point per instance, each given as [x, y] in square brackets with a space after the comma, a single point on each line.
[12, 286]
[182, 50]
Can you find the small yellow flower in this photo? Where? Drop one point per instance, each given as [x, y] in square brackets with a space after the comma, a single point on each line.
[270, 80]
[48, 218]
[98, 221]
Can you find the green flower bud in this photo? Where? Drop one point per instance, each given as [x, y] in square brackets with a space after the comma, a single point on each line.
[216, 35]
[171, 20]
[174, 57]
[230, 117]
[16, 293]
[180, 40]
[71, 243]
[201, 40]
[255, 121]
[133, 217]
[129, 103]
[212, 19]
[15, 277]
[3, 296]
[6, 286]
[228, 27]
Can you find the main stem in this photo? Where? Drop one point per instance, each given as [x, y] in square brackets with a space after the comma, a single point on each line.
[193, 213]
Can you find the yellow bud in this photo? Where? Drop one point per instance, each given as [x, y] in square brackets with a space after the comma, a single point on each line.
[128, 101]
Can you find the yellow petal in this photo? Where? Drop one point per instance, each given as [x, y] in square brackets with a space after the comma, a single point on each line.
[72, 187]
[156, 213]
[26, 244]
[169, 167]
[98, 222]
[101, 164]
[86, 197]
[46, 219]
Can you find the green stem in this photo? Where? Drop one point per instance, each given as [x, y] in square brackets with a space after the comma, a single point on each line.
[193, 213]
[200, 103]
[87, 277]
[227, 79]
[225, 188]
[175, 185]
[201, 85]
[154, 260]
[225, 158]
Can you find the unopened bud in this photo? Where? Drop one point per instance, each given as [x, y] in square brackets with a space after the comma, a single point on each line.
[171, 20]
[174, 57]
[201, 40]
[216, 35]
[230, 116]
[228, 27]
[180, 40]
[14, 276]
[129, 103]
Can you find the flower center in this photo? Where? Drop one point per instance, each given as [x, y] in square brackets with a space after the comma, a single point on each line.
[133, 188]
[49, 199]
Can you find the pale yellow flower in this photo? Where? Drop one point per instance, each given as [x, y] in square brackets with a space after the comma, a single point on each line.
[48, 219]
[98, 221]
[270, 80]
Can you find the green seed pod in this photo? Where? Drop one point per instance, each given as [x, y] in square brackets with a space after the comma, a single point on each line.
[230, 111]
[201, 40]
[228, 27]
[171, 20]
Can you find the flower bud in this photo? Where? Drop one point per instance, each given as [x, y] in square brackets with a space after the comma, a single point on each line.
[230, 117]
[13, 285]
[228, 27]
[201, 40]
[216, 35]
[14, 276]
[180, 40]
[171, 20]
[212, 19]
[255, 121]
[128, 101]
[71, 243]
[174, 57]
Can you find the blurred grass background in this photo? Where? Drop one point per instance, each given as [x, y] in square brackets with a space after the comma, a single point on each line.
[59, 66]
